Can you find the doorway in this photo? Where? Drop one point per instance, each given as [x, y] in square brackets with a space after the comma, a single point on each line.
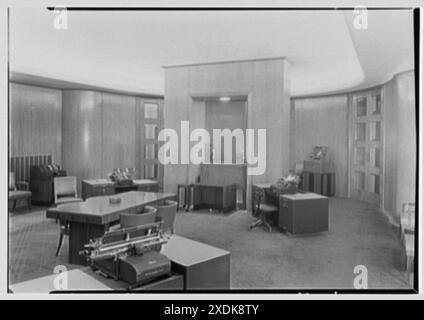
[366, 146]
[227, 115]
[222, 111]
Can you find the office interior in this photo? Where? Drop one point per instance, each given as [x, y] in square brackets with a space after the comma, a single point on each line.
[337, 100]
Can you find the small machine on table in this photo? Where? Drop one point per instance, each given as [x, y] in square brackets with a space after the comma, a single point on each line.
[119, 181]
[130, 254]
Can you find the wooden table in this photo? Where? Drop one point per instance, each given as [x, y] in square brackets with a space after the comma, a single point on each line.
[200, 266]
[91, 218]
[105, 187]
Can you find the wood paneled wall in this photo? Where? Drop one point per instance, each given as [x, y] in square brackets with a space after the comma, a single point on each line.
[118, 128]
[82, 134]
[100, 132]
[21, 166]
[265, 83]
[400, 148]
[224, 173]
[35, 125]
[229, 115]
[322, 121]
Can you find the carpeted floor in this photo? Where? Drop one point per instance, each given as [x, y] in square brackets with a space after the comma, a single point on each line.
[359, 235]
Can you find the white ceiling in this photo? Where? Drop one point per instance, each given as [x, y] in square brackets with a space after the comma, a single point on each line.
[126, 50]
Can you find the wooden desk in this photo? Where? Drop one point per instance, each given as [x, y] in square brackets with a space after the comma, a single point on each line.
[302, 213]
[104, 187]
[202, 267]
[298, 213]
[216, 196]
[91, 218]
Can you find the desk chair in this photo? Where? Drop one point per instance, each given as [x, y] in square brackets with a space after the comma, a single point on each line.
[21, 193]
[128, 220]
[65, 190]
[409, 245]
[407, 235]
[263, 210]
[166, 213]
[298, 170]
[63, 231]
[407, 219]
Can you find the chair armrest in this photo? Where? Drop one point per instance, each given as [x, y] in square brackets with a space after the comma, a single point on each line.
[22, 183]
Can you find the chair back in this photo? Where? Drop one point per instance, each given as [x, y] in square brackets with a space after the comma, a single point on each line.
[298, 168]
[12, 181]
[166, 213]
[128, 220]
[65, 187]
[408, 216]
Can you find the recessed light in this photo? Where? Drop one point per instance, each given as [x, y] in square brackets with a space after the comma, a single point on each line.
[224, 99]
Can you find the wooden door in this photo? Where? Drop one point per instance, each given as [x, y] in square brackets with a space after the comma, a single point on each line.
[151, 122]
[366, 146]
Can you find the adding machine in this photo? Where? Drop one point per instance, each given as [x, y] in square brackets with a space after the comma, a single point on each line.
[130, 254]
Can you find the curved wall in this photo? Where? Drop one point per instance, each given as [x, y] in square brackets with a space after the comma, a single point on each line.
[323, 120]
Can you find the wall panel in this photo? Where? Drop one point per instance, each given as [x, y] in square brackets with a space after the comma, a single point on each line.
[322, 121]
[82, 134]
[400, 148]
[265, 83]
[35, 125]
[177, 106]
[119, 132]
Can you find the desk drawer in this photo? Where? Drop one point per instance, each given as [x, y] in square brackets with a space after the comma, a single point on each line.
[149, 188]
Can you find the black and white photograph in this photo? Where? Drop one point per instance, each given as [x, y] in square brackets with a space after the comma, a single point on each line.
[202, 149]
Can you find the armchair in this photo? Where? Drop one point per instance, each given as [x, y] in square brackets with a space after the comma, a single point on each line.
[407, 234]
[16, 193]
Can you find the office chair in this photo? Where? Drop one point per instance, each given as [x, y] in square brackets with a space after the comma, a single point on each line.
[407, 235]
[148, 215]
[298, 170]
[166, 213]
[128, 220]
[263, 210]
[63, 232]
[407, 219]
[64, 191]
[17, 194]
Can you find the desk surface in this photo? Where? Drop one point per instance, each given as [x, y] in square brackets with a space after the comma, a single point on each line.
[98, 210]
[187, 252]
[103, 182]
[303, 196]
[180, 250]
[262, 185]
[216, 185]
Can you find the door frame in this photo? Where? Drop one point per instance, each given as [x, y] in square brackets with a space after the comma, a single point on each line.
[351, 143]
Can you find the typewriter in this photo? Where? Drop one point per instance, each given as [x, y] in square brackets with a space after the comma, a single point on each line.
[129, 254]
